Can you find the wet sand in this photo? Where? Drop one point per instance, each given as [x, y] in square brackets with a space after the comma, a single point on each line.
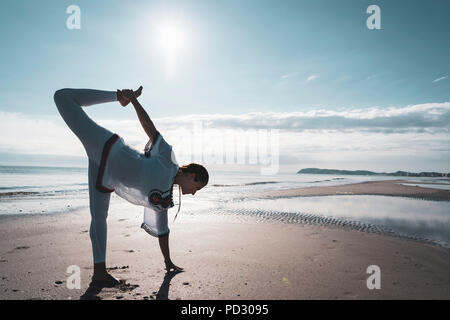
[385, 188]
[224, 257]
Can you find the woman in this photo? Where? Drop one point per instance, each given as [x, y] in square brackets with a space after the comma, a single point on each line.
[144, 179]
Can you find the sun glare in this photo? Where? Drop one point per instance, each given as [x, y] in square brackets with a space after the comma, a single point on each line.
[171, 39]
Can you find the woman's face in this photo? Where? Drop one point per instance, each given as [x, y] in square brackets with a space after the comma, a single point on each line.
[191, 186]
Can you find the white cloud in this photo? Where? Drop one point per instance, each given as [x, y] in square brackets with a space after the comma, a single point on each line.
[288, 75]
[20, 133]
[311, 77]
[440, 79]
[309, 137]
[431, 117]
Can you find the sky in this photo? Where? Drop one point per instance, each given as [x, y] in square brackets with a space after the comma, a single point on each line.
[308, 78]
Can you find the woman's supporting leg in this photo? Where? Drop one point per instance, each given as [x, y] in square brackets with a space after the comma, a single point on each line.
[99, 205]
[91, 135]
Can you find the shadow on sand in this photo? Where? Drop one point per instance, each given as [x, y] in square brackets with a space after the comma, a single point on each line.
[92, 293]
[162, 294]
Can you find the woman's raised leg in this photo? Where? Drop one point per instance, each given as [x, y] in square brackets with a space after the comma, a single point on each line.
[91, 135]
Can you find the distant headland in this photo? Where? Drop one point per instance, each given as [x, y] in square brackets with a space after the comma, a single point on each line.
[371, 173]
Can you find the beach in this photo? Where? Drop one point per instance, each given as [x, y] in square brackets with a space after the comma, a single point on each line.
[302, 146]
[225, 256]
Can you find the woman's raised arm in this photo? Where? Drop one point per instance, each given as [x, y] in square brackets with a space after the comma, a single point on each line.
[144, 118]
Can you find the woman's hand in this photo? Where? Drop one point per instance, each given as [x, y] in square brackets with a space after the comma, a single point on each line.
[124, 96]
[170, 266]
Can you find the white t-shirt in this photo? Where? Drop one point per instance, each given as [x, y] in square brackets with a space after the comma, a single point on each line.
[144, 179]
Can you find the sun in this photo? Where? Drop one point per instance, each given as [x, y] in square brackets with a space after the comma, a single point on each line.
[171, 39]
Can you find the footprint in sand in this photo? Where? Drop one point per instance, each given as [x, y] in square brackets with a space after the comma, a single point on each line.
[118, 292]
[126, 287]
[18, 248]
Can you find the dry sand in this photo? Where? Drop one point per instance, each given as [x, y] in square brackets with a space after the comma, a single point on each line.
[385, 188]
[224, 258]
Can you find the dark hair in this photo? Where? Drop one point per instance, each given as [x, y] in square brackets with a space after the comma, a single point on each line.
[201, 174]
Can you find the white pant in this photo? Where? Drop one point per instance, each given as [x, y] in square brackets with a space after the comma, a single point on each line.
[93, 138]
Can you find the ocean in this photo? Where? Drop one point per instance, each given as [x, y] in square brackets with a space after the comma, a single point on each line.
[57, 190]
